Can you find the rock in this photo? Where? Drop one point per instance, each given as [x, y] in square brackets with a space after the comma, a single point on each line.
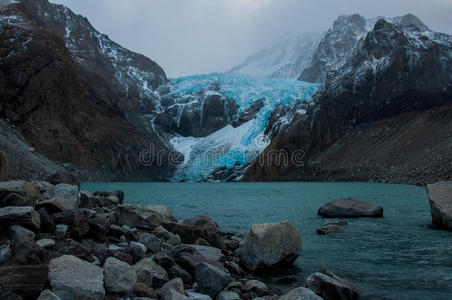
[331, 287]
[300, 293]
[65, 191]
[48, 295]
[337, 223]
[202, 242]
[20, 215]
[47, 224]
[161, 210]
[228, 295]
[142, 290]
[440, 197]
[197, 296]
[350, 208]
[15, 199]
[61, 231]
[211, 280]
[5, 252]
[61, 177]
[136, 252]
[233, 267]
[257, 286]
[177, 272]
[142, 247]
[30, 194]
[26, 281]
[22, 244]
[56, 205]
[138, 217]
[46, 243]
[328, 229]
[269, 246]
[164, 259]
[76, 220]
[119, 277]
[162, 233]
[73, 278]
[152, 242]
[174, 240]
[175, 284]
[189, 256]
[198, 227]
[174, 295]
[99, 229]
[17, 232]
[3, 167]
[156, 270]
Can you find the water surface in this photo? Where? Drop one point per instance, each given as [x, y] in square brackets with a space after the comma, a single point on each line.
[395, 257]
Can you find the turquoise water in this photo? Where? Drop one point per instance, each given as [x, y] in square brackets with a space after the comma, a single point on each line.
[396, 257]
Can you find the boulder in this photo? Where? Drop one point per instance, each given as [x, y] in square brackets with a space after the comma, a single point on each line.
[177, 272]
[3, 167]
[350, 208]
[174, 295]
[62, 177]
[99, 229]
[47, 224]
[20, 215]
[76, 220]
[164, 259]
[27, 190]
[166, 236]
[331, 287]
[138, 217]
[190, 256]
[228, 295]
[440, 196]
[175, 284]
[300, 293]
[65, 191]
[211, 280]
[5, 252]
[152, 242]
[48, 295]
[257, 287]
[15, 199]
[61, 231]
[26, 281]
[143, 290]
[73, 278]
[119, 277]
[56, 205]
[269, 246]
[163, 210]
[155, 269]
[328, 229]
[197, 296]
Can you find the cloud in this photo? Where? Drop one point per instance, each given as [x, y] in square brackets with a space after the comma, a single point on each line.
[202, 36]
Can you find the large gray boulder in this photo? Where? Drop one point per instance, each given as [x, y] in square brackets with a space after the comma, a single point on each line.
[440, 196]
[300, 293]
[138, 217]
[211, 280]
[331, 287]
[3, 167]
[65, 191]
[20, 215]
[25, 189]
[269, 246]
[119, 277]
[350, 208]
[153, 268]
[73, 278]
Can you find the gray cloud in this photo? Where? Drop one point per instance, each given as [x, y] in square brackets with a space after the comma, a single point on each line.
[202, 36]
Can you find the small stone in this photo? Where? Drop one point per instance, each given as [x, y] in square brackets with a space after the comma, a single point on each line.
[152, 242]
[211, 280]
[175, 284]
[5, 252]
[328, 229]
[139, 245]
[202, 242]
[257, 286]
[48, 295]
[61, 231]
[228, 295]
[300, 293]
[197, 296]
[46, 243]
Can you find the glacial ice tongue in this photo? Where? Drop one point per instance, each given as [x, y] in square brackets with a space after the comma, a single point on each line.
[229, 146]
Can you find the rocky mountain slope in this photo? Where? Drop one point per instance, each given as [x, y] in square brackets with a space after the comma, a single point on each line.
[74, 94]
[285, 59]
[386, 108]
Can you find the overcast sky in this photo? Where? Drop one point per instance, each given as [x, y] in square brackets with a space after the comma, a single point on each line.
[201, 36]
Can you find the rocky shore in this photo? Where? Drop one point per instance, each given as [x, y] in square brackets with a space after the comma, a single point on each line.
[57, 242]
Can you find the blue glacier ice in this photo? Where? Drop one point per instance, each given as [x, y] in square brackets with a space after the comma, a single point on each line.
[229, 146]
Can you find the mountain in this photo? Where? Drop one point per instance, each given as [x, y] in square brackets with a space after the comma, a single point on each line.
[284, 59]
[75, 95]
[382, 114]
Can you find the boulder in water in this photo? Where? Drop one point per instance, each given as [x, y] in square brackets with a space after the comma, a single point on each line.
[440, 196]
[329, 286]
[350, 208]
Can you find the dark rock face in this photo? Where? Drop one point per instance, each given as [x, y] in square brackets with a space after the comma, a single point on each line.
[26, 281]
[3, 167]
[249, 114]
[394, 72]
[73, 94]
[350, 208]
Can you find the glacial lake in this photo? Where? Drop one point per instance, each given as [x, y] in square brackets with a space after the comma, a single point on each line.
[396, 257]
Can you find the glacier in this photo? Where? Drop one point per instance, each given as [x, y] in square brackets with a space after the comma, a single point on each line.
[231, 146]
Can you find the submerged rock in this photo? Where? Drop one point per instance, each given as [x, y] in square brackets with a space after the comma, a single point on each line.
[440, 196]
[269, 246]
[350, 208]
[328, 229]
[331, 287]
[73, 278]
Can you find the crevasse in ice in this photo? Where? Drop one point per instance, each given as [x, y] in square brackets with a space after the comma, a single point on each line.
[229, 146]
